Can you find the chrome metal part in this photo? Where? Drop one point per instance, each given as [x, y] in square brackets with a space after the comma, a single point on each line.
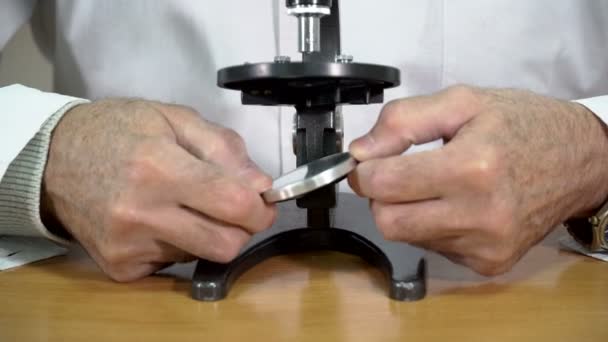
[309, 25]
[339, 127]
[294, 133]
[310, 177]
[302, 10]
[309, 34]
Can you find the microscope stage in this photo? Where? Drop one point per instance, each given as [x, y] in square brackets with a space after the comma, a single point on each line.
[309, 83]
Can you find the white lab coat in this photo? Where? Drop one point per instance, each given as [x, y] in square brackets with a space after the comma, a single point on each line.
[170, 51]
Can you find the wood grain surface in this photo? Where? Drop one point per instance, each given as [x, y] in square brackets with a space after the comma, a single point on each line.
[551, 295]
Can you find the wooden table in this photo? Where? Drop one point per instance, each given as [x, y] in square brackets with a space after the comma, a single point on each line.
[551, 295]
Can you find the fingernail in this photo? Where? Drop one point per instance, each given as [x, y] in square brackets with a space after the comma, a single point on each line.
[362, 147]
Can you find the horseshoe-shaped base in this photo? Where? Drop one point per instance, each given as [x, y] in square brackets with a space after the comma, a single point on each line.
[403, 264]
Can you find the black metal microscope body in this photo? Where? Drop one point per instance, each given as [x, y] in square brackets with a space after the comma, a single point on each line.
[317, 86]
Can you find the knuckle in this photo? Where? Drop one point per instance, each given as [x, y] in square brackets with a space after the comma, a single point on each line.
[499, 257]
[353, 182]
[358, 179]
[271, 217]
[228, 143]
[229, 245]
[460, 91]
[239, 203]
[113, 260]
[225, 255]
[484, 170]
[143, 166]
[118, 274]
[378, 182]
[463, 97]
[390, 234]
[136, 105]
[484, 269]
[230, 252]
[490, 269]
[495, 261]
[386, 223]
[243, 203]
[499, 223]
[123, 214]
[139, 171]
[391, 115]
[187, 111]
[501, 229]
[142, 109]
[233, 140]
[126, 272]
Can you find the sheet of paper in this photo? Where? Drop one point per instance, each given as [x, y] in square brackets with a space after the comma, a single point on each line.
[16, 251]
[571, 244]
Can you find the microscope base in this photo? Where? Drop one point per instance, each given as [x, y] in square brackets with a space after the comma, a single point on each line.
[403, 264]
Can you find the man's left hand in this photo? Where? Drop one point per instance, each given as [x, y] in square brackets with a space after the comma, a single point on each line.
[514, 165]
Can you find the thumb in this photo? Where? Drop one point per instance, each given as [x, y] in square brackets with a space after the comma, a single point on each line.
[417, 120]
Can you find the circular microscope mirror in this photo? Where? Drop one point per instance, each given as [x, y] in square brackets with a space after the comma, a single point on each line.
[310, 177]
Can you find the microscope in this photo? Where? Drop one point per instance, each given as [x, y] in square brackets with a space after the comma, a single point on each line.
[321, 219]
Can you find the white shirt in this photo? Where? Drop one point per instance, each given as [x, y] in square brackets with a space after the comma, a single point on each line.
[170, 51]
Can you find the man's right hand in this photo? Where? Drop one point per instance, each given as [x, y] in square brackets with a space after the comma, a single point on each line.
[143, 184]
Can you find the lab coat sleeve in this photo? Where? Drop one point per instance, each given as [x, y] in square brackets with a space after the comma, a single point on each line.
[27, 119]
[598, 105]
